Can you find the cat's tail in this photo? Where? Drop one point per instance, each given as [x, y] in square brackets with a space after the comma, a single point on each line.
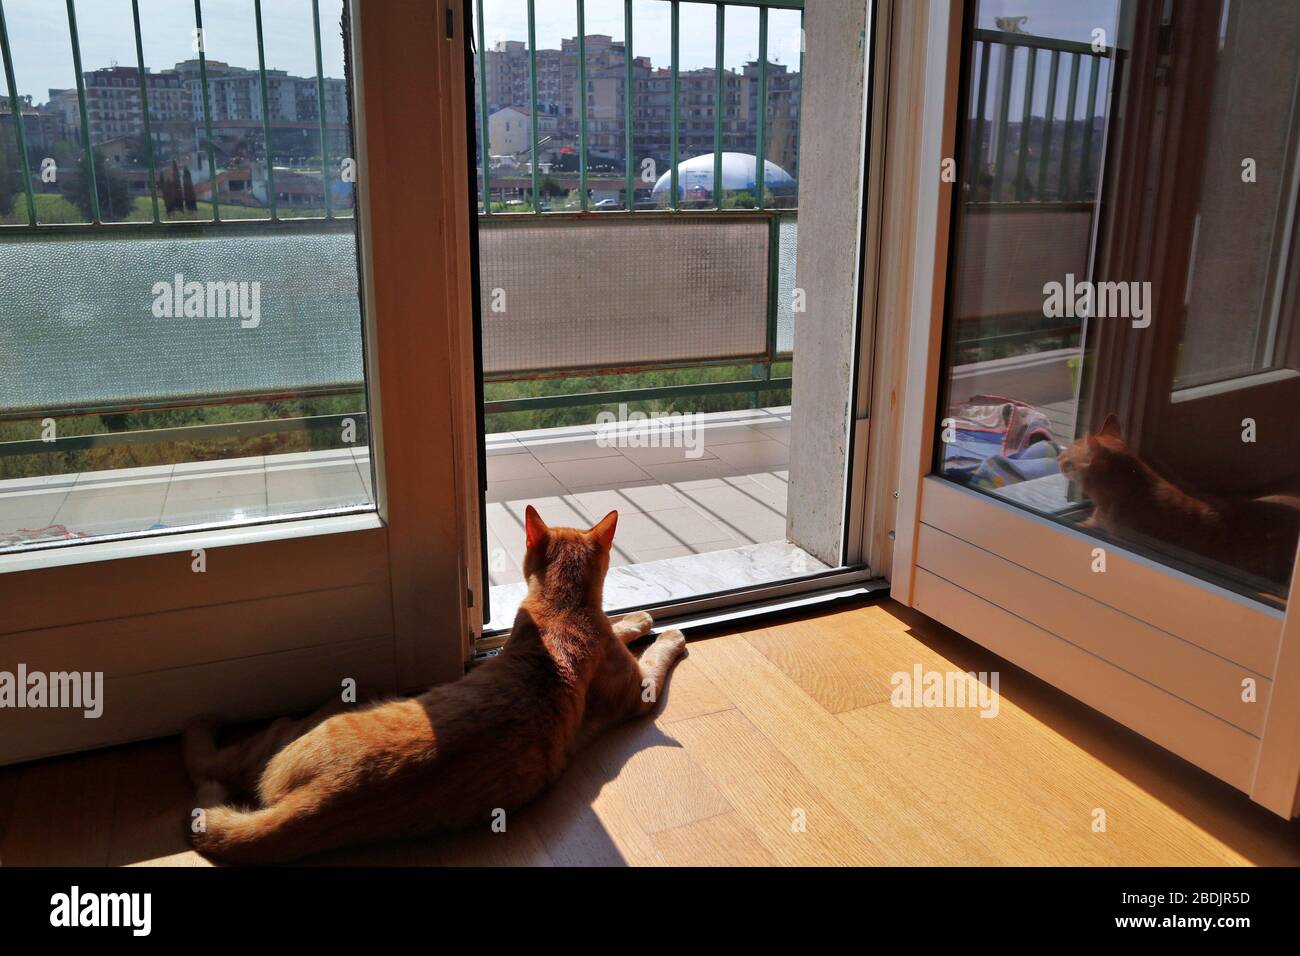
[289, 829]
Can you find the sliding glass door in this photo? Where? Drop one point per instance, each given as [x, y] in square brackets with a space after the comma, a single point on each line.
[669, 286]
[1115, 492]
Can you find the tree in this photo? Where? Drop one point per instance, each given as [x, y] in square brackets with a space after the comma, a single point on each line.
[549, 187]
[170, 188]
[191, 201]
[112, 188]
[11, 176]
[137, 152]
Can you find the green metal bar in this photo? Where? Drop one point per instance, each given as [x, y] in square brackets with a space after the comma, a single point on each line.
[1004, 105]
[629, 93]
[144, 108]
[1086, 152]
[89, 159]
[677, 96]
[326, 179]
[763, 372]
[20, 134]
[176, 229]
[1068, 135]
[569, 218]
[1049, 120]
[582, 102]
[266, 109]
[207, 110]
[485, 145]
[773, 287]
[760, 157]
[152, 436]
[1025, 116]
[719, 104]
[634, 395]
[532, 93]
[316, 225]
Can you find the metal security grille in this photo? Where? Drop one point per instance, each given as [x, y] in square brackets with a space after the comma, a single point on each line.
[92, 160]
[564, 296]
[629, 27]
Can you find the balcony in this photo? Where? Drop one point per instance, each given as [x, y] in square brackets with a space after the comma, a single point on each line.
[685, 308]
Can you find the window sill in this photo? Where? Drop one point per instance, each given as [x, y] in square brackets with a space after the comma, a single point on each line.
[153, 544]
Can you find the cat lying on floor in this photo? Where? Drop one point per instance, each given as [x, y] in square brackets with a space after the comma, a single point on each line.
[1132, 502]
[458, 753]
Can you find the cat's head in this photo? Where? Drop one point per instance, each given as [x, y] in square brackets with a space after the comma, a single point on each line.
[1099, 459]
[568, 563]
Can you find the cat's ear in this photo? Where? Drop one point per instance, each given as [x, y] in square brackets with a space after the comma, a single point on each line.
[534, 527]
[1111, 426]
[603, 531]
[1092, 440]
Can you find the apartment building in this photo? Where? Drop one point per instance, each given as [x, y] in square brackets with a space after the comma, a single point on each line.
[42, 126]
[114, 108]
[506, 68]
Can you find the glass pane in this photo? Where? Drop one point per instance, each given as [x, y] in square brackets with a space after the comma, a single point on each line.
[784, 42]
[1141, 385]
[652, 112]
[168, 42]
[696, 116]
[45, 76]
[606, 126]
[14, 176]
[162, 377]
[299, 149]
[740, 116]
[510, 119]
[557, 110]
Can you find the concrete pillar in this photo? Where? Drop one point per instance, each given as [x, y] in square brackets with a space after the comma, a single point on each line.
[826, 267]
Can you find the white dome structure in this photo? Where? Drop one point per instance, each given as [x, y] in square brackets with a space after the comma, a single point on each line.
[738, 171]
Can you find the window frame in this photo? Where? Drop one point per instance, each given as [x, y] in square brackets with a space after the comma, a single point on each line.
[952, 542]
[379, 596]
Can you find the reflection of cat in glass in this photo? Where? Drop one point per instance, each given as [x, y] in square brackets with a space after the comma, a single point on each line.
[1131, 501]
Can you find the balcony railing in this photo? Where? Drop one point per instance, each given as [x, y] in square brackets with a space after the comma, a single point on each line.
[756, 340]
[1004, 174]
[1029, 185]
[753, 295]
[89, 160]
[629, 84]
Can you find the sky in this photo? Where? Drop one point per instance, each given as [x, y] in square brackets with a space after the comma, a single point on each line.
[38, 37]
[38, 32]
[652, 29]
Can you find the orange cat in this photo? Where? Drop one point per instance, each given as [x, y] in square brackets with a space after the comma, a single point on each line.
[1131, 501]
[456, 754]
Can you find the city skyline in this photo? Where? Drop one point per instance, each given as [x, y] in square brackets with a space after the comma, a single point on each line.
[42, 52]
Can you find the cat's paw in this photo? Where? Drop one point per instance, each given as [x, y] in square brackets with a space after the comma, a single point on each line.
[634, 625]
[640, 620]
[673, 641]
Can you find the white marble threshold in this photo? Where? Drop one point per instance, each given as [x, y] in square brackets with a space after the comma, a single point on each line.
[633, 586]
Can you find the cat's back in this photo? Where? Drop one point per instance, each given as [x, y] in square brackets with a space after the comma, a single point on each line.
[526, 692]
